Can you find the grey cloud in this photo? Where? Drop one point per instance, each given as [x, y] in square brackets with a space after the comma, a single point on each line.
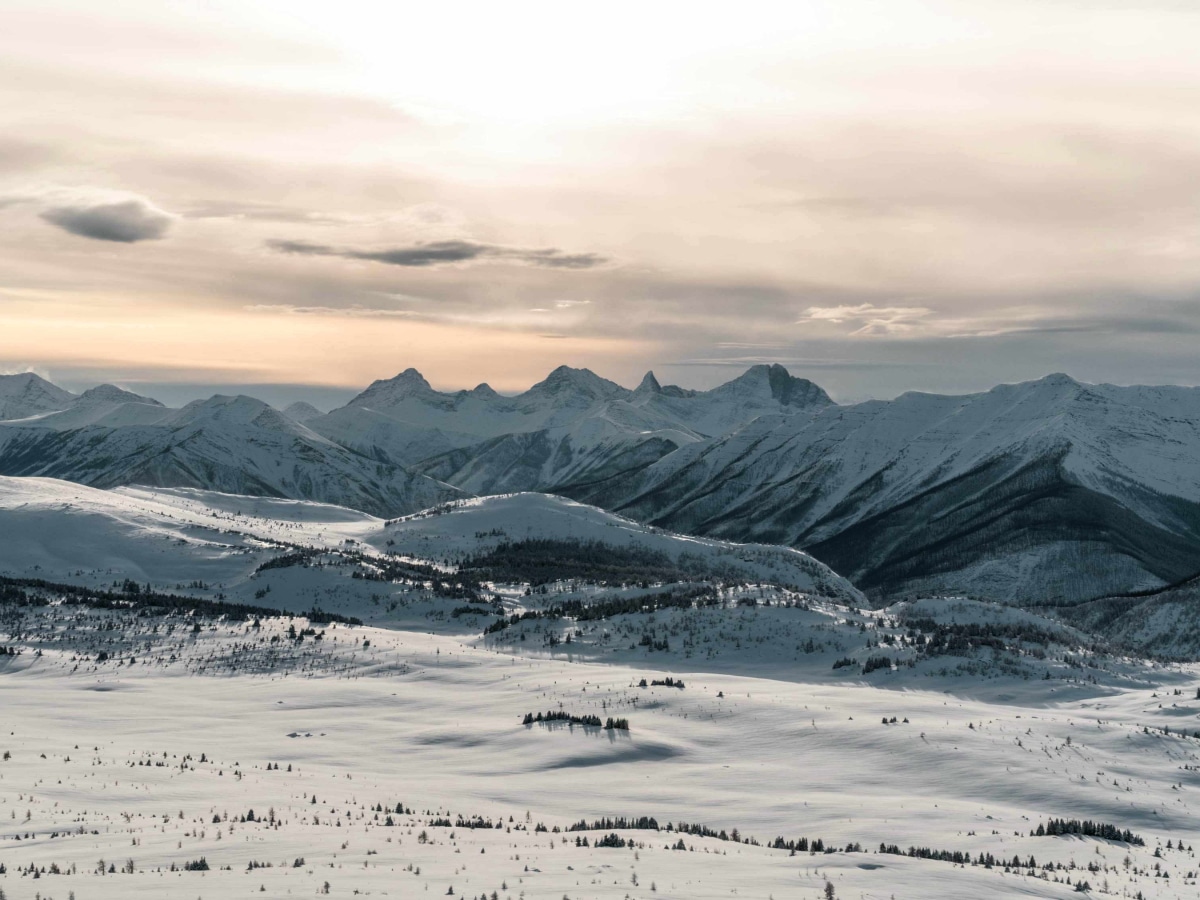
[433, 253]
[122, 221]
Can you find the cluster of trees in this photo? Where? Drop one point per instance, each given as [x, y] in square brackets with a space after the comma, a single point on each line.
[294, 635]
[651, 642]
[649, 823]
[589, 720]
[684, 598]
[398, 809]
[935, 638]
[461, 587]
[373, 569]
[142, 599]
[460, 611]
[669, 681]
[301, 557]
[477, 821]
[640, 823]
[960, 857]
[876, 662]
[1088, 828]
[541, 561]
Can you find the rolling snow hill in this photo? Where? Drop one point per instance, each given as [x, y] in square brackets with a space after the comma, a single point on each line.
[63, 532]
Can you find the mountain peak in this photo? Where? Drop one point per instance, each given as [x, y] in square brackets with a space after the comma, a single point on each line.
[566, 381]
[1059, 378]
[649, 385]
[777, 383]
[410, 377]
[218, 402]
[409, 383]
[235, 410]
[28, 394]
[483, 391]
[110, 393]
[301, 411]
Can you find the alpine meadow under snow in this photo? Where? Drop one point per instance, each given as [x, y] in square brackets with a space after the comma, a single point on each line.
[593, 642]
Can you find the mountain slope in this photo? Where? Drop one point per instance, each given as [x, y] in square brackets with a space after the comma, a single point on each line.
[66, 532]
[1047, 491]
[234, 444]
[479, 525]
[28, 394]
[598, 431]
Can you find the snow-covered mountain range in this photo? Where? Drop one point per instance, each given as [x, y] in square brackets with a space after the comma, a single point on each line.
[1048, 491]
[107, 437]
[1044, 492]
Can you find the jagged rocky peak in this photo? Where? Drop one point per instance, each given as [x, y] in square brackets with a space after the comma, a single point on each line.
[649, 385]
[408, 383]
[775, 382]
[110, 393]
[566, 381]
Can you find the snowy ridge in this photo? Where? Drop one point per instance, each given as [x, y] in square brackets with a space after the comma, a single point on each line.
[237, 445]
[65, 532]
[939, 493]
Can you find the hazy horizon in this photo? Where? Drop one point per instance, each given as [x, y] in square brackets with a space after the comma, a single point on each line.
[327, 397]
[954, 194]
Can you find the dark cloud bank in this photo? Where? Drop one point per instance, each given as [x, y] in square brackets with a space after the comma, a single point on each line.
[123, 221]
[444, 252]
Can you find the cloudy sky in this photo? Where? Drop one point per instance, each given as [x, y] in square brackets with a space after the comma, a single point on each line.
[882, 196]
